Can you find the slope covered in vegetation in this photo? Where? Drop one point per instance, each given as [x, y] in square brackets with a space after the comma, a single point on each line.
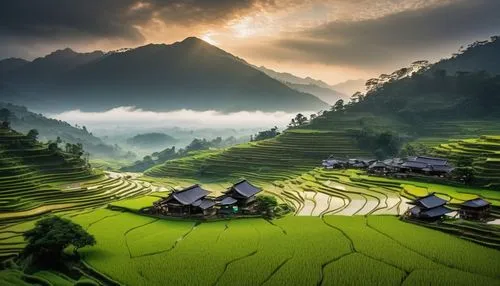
[23, 120]
[36, 178]
[481, 154]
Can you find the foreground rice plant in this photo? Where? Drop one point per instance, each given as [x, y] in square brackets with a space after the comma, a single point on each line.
[137, 250]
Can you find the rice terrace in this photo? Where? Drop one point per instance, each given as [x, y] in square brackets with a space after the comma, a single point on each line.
[163, 159]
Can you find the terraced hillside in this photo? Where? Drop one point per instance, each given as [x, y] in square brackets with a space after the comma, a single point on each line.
[301, 149]
[344, 192]
[292, 153]
[76, 197]
[324, 192]
[36, 179]
[286, 156]
[484, 152]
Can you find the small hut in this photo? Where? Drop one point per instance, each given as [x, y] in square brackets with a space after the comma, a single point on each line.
[332, 163]
[240, 197]
[360, 163]
[382, 168]
[429, 207]
[428, 166]
[433, 161]
[191, 201]
[414, 166]
[475, 209]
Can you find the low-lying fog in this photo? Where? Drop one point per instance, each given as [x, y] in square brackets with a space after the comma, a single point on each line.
[132, 118]
[118, 125]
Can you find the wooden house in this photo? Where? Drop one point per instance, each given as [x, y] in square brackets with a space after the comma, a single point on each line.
[191, 201]
[332, 163]
[428, 165]
[382, 168]
[414, 166]
[360, 163]
[429, 207]
[239, 198]
[434, 161]
[475, 209]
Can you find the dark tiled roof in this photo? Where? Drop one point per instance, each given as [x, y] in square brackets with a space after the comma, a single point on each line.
[415, 210]
[189, 195]
[245, 189]
[430, 160]
[205, 204]
[227, 201]
[442, 168]
[435, 212]
[379, 164]
[475, 203]
[332, 162]
[414, 164]
[431, 201]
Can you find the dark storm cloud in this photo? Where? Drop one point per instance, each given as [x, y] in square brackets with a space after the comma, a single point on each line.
[56, 19]
[53, 19]
[394, 37]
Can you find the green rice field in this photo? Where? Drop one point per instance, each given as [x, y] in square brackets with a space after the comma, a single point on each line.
[359, 250]
[484, 152]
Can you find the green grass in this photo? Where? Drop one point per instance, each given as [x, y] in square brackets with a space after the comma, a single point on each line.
[109, 164]
[12, 277]
[135, 204]
[378, 250]
[55, 279]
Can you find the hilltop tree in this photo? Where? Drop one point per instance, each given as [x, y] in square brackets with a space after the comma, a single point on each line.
[299, 120]
[75, 149]
[266, 134]
[50, 236]
[339, 105]
[33, 135]
[357, 97]
[5, 115]
[53, 147]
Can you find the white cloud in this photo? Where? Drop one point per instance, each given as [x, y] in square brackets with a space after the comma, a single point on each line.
[133, 117]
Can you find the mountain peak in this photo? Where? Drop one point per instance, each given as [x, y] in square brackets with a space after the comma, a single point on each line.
[194, 42]
[63, 52]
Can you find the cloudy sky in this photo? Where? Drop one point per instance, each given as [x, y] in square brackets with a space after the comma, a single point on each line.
[333, 40]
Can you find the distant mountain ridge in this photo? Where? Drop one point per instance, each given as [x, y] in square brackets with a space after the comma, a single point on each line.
[316, 87]
[351, 86]
[290, 78]
[51, 66]
[190, 74]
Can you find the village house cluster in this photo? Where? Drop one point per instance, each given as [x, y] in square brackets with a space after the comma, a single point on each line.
[194, 201]
[423, 165]
[432, 207]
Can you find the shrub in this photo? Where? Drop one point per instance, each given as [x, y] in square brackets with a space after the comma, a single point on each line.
[50, 236]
